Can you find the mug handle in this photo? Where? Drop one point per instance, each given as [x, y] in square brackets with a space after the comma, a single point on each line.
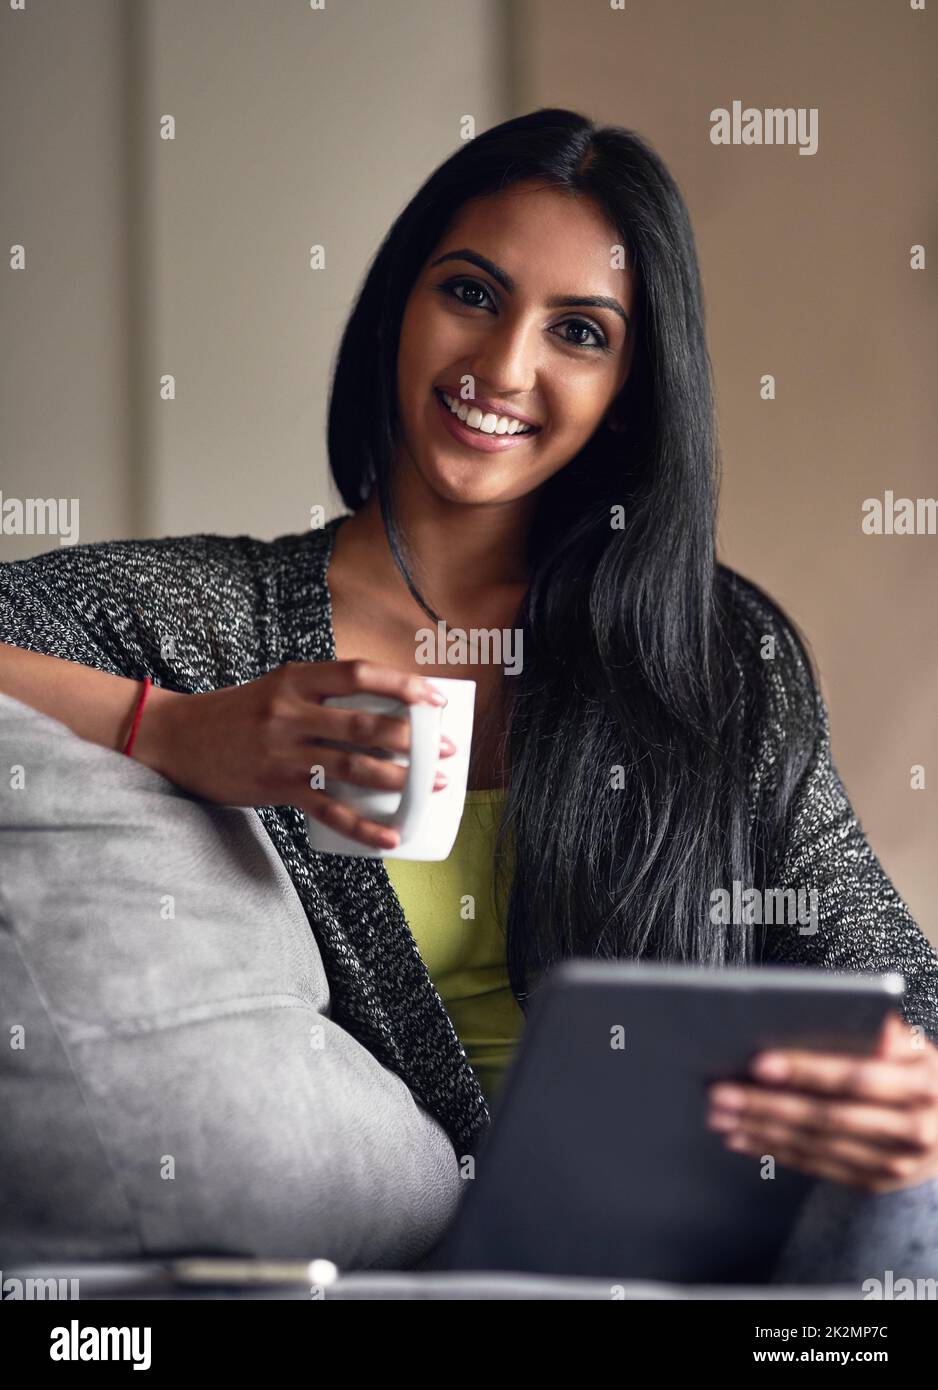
[425, 722]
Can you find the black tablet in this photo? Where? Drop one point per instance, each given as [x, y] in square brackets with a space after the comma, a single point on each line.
[599, 1161]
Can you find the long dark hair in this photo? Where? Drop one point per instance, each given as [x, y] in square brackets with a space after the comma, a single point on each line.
[631, 634]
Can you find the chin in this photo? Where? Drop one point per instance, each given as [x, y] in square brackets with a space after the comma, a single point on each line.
[471, 484]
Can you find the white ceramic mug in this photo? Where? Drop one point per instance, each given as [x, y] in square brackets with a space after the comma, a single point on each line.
[427, 821]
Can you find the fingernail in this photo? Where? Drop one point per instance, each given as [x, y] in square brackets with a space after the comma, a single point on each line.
[447, 745]
[770, 1065]
[728, 1097]
[440, 781]
[436, 696]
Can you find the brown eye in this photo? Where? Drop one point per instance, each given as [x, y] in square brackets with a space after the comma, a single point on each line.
[473, 286]
[589, 328]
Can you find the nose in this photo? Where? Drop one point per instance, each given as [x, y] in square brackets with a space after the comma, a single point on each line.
[505, 363]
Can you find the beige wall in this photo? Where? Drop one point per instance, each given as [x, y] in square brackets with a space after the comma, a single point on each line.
[64, 387]
[296, 127]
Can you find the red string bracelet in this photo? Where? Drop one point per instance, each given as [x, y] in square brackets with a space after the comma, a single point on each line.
[131, 737]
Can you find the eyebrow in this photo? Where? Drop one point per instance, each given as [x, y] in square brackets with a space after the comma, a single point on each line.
[562, 301]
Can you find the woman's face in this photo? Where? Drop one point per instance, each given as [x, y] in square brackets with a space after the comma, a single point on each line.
[496, 334]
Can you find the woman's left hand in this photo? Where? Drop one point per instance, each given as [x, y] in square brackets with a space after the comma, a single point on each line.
[870, 1122]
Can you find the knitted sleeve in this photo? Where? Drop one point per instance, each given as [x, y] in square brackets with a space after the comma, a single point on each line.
[192, 612]
[861, 922]
[855, 918]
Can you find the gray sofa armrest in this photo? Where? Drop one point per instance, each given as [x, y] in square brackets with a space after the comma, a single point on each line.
[174, 1080]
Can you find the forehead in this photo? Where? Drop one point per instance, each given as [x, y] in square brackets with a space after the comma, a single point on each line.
[550, 242]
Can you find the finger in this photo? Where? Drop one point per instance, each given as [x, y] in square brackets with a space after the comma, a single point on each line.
[843, 1160]
[357, 769]
[318, 680]
[830, 1172]
[897, 1038]
[364, 729]
[915, 1127]
[867, 1078]
[347, 822]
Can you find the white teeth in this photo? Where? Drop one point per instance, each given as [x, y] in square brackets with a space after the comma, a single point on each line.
[472, 416]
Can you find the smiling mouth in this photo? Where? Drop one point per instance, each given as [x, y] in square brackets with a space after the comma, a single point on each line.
[485, 424]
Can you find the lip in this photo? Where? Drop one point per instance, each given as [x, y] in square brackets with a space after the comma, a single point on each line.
[489, 406]
[486, 443]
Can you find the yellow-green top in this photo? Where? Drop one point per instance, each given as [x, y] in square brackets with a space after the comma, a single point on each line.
[450, 909]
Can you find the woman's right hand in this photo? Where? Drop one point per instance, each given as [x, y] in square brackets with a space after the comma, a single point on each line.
[256, 744]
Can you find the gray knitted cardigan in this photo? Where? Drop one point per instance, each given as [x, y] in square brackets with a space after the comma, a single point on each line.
[196, 613]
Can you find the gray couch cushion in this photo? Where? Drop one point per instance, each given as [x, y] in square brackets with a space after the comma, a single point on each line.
[170, 1078]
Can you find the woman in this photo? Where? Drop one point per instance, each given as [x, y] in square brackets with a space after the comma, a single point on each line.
[665, 738]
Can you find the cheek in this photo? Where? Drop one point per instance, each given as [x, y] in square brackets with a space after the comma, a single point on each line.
[424, 327]
[576, 406]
